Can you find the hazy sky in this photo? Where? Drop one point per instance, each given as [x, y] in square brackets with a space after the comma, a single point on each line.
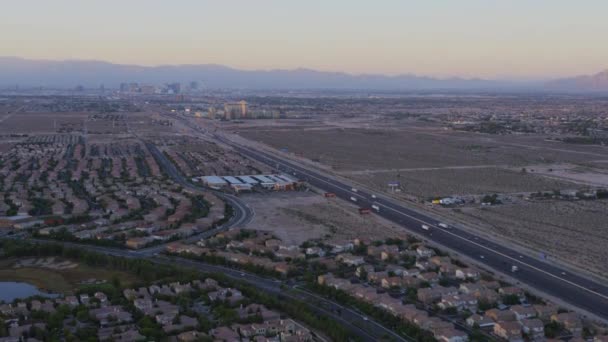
[485, 38]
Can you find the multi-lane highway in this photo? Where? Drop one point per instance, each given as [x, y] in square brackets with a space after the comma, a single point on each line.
[573, 289]
[359, 325]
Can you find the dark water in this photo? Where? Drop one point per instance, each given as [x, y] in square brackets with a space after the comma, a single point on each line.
[11, 290]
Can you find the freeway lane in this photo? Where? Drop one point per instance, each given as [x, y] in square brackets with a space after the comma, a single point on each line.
[358, 324]
[571, 288]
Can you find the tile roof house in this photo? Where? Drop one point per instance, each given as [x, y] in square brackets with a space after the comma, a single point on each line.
[510, 331]
[534, 327]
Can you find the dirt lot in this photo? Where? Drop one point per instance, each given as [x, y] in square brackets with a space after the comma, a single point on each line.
[367, 149]
[296, 217]
[41, 122]
[574, 231]
[467, 181]
[431, 161]
[575, 173]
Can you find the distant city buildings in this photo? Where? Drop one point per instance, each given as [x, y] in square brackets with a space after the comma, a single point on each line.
[149, 89]
[236, 110]
[174, 88]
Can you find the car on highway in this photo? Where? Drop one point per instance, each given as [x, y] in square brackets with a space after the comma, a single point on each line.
[443, 225]
[425, 227]
[353, 190]
[373, 196]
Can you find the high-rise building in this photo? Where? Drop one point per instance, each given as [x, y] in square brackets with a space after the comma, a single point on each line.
[147, 89]
[243, 107]
[211, 112]
[175, 88]
[236, 110]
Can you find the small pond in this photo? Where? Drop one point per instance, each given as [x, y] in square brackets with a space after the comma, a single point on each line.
[11, 290]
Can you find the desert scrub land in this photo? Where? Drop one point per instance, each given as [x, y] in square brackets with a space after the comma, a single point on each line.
[372, 149]
[574, 231]
[432, 162]
[447, 182]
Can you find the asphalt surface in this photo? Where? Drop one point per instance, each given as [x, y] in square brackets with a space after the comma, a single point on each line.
[355, 322]
[242, 214]
[576, 290]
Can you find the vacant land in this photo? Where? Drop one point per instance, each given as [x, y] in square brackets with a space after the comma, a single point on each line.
[370, 149]
[42, 122]
[295, 217]
[573, 231]
[429, 161]
[574, 173]
[462, 181]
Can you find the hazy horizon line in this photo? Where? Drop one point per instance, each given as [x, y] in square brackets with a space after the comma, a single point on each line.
[530, 79]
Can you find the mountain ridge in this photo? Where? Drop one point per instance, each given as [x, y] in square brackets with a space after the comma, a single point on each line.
[594, 82]
[92, 73]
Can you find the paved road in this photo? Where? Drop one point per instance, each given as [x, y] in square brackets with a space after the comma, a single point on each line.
[571, 288]
[242, 214]
[355, 322]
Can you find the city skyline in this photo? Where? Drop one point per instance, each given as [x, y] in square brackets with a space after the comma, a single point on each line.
[486, 39]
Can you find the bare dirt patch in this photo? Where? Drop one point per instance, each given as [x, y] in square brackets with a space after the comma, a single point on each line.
[371, 149]
[447, 182]
[575, 231]
[295, 217]
[575, 173]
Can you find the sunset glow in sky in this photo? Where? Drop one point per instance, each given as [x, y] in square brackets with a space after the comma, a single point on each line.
[471, 38]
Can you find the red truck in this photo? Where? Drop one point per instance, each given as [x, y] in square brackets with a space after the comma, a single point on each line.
[330, 195]
[364, 211]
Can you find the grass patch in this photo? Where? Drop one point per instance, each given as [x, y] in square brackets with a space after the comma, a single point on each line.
[64, 281]
[45, 280]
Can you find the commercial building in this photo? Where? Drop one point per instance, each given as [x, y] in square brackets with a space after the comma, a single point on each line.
[248, 182]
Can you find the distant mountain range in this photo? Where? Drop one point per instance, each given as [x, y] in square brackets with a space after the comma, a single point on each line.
[597, 82]
[70, 73]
